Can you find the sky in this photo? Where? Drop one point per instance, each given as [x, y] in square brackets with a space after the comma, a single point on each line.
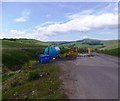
[59, 21]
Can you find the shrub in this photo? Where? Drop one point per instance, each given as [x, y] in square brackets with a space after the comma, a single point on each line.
[33, 75]
[82, 50]
[64, 50]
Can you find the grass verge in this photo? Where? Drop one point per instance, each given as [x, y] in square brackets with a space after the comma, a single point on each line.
[45, 86]
[113, 52]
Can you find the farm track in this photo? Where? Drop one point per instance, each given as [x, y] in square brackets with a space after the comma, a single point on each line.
[90, 77]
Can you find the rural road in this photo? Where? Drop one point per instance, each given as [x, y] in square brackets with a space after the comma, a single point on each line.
[90, 77]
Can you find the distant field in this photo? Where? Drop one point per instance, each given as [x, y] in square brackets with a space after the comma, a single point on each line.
[111, 48]
[112, 44]
[108, 44]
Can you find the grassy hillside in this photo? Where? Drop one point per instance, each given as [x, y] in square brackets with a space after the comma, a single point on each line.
[104, 46]
[22, 43]
[98, 44]
[16, 52]
[15, 58]
[113, 52]
[110, 44]
[23, 77]
[33, 81]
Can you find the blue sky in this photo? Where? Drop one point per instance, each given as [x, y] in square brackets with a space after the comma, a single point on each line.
[52, 21]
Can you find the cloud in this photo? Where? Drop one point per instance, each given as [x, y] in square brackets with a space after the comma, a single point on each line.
[47, 23]
[84, 37]
[24, 16]
[84, 21]
[110, 8]
[82, 24]
[77, 25]
[80, 14]
[16, 32]
[107, 33]
[2, 35]
[21, 19]
[22, 34]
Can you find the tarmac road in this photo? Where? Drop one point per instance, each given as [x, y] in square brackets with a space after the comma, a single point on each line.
[90, 77]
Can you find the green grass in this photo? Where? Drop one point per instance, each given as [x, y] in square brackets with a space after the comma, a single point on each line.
[44, 87]
[30, 81]
[113, 52]
[108, 44]
[33, 75]
[76, 44]
[111, 44]
[23, 43]
[111, 47]
[14, 59]
[6, 76]
[17, 52]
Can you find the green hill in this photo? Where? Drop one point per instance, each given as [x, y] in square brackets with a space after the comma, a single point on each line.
[17, 52]
[110, 44]
[94, 43]
[103, 46]
[23, 77]
[22, 43]
[114, 52]
[20, 51]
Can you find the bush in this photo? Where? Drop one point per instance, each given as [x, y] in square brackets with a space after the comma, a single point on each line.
[82, 50]
[64, 50]
[33, 75]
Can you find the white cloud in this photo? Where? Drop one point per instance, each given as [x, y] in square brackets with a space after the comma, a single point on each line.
[46, 23]
[16, 32]
[80, 14]
[84, 37]
[84, 21]
[110, 8]
[2, 35]
[22, 34]
[24, 16]
[21, 19]
[108, 33]
[82, 24]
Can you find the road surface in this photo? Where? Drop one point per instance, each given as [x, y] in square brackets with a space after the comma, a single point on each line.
[90, 77]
